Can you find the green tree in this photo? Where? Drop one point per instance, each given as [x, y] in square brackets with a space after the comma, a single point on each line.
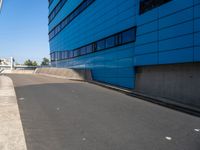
[30, 63]
[45, 62]
[34, 63]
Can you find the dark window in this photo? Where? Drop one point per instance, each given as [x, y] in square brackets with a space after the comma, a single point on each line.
[56, 55]
[71, 54]
[69, 18]
[89, 2]
[100, 45]
[66, 54]
[118, 39]
[146, 5]
[89, 49]
[128, 36]
[76, 52]
[62, 55]
[83, 50]
[161, 2]
[82, 7]
[51, 55]
[50, 1]
[56, 10]
[110, 42]
[59, 55]
[114, 40]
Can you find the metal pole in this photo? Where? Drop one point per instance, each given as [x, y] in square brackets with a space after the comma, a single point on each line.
[11, 63]
[1, 3]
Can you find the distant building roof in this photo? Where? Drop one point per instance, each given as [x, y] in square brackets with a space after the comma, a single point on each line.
[4, 61]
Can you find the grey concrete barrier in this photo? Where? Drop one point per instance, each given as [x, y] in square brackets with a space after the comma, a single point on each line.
[72, 74]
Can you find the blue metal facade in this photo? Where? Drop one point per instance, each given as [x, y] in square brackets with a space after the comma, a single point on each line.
[167, 34]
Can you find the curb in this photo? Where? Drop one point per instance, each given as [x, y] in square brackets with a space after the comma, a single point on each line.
[11, 130]
[156, 100]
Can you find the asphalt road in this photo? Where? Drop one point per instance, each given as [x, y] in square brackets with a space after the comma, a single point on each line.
[58, 114]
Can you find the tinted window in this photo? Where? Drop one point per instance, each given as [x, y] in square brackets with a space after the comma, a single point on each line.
[83, 50]
[66, 54]
[146, 5]
[59, 55]
[76, 53]
[71, 54]
[56, 56]
[68, 18]
[114, 40]
[89, 48]
[128, 36]
[56, 9]
[62, 55]
[161, 2]
[50, 1]
[110, 42]
[100, 45]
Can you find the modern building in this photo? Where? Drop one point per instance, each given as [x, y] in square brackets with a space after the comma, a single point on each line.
[149, 46]
[7, 63]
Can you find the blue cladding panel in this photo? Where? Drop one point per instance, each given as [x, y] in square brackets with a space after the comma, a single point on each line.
[147, 48]
[176, 18]
[165, 35]
[147, 38]
[196, 1]
[143, 29]
[181, 29]
[176, 43]
[148, 59]
[66, 10]
[176, 56]
[53, 4]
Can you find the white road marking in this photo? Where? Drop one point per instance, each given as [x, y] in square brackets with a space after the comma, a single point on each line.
[168, 138]
[57, 108]
[197, 130]
[84, 139]
[21, 99]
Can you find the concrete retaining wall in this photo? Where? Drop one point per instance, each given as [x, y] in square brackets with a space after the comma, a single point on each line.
[73, 74]
[178, 83]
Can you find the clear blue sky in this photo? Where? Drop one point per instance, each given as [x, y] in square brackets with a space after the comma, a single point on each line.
[24, 29]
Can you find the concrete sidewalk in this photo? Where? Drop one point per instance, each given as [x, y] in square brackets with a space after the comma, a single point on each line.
[11, 131]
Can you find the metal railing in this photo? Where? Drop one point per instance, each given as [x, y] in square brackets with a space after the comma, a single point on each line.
[18, 67]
